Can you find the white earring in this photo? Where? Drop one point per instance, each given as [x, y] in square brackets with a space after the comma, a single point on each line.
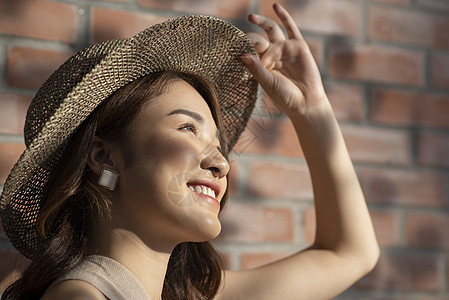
[108, 179]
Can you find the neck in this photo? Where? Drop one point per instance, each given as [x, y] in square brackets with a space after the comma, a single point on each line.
[147, 264]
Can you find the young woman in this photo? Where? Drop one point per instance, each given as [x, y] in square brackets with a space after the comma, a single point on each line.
[123, 179]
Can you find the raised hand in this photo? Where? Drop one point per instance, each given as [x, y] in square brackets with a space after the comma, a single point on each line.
[286, 69]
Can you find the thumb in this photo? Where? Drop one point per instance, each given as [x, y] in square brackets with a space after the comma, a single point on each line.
[254, 65]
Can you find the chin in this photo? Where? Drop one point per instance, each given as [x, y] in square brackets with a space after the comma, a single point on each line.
[207, 233]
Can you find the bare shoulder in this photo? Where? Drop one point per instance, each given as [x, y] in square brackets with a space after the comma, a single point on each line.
[73, 290]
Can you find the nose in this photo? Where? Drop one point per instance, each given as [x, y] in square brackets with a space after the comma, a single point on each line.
[215, 162]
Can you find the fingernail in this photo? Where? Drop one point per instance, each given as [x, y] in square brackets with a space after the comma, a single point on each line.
[247, 59]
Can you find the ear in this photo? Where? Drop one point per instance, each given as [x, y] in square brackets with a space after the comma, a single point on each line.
[102, 154]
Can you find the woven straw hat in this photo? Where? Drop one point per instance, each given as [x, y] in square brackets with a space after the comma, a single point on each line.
[193, 44]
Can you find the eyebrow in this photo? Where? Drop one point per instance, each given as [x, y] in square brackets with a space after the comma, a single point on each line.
[192, 114]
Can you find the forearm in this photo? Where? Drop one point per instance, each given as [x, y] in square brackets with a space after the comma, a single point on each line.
[345, 247]
[343, 221]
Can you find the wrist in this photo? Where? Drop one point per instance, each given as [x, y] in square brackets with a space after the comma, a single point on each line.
[318, 130]
[316, 112]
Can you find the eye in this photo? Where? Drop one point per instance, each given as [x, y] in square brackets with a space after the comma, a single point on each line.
[189, 127]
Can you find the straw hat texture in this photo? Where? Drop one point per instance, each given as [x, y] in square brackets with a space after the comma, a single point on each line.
[193, 44]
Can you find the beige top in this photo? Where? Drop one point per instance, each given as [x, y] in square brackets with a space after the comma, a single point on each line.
[110, 277]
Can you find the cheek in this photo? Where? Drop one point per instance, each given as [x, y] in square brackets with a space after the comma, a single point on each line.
[177, 150]
[173, 155]
[158, 161]
[153, 193]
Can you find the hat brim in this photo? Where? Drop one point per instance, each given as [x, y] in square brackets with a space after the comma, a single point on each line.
[193, 44]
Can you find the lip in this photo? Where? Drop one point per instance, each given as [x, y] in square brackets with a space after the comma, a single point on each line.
[212, 184]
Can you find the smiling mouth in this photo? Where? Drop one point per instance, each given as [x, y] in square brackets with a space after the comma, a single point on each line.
[201, 189]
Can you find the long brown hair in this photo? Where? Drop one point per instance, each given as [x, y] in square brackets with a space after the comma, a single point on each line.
[72, 205]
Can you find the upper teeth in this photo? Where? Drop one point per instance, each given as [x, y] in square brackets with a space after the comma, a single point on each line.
[201, 189]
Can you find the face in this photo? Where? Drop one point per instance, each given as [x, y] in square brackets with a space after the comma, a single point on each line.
[171, 188]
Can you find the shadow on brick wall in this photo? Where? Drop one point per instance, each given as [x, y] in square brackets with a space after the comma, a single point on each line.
[11, 7]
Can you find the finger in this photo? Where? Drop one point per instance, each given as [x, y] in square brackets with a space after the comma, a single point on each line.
[271, 58]
[256, 68]
[288, 22]
[271, 28]
[260, 43]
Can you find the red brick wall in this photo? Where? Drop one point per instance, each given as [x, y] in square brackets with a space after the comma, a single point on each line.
[385, 65]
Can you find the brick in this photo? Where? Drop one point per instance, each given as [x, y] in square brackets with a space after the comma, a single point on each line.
[317, 49]
[251, 223]
[29, 67]
[405, 187]
[377, 145]
[264, 135]
[320, 16]
[434, 297]
[346, 100]
[233, 180]
[400, 107]
[440, 70]
[227, 260]
[404, 272]
[108, 24]
[435, 4]
[427, 230]
[447, 270]
[280, 180]
[433, 149]
[9, 154]
[39, 19]
[230, 9]
[309, 225]
[11, 266]
[409, 27]
[13, 109]
[254, 260]
[376, 63]
[392, 1]
[386, 226]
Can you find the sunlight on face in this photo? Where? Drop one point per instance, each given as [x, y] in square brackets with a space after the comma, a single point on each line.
[171, 190]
